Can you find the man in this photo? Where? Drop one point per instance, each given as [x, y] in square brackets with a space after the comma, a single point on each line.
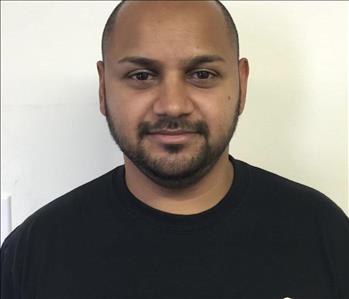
[181, 218]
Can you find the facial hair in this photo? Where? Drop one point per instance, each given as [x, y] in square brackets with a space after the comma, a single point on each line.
[174, 172]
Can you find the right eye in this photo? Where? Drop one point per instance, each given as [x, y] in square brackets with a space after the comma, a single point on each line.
[141, 76]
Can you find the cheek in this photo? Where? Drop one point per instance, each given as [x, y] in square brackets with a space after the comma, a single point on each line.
[127, 108]
[218, 111]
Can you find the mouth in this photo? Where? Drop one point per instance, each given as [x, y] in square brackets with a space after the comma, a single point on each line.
[172, 136]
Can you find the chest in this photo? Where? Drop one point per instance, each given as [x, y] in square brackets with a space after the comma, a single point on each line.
[215, 263]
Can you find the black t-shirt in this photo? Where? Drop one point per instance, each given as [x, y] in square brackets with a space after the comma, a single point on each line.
[267, 238]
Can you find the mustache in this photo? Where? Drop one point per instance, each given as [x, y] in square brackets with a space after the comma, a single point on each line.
[170, 123]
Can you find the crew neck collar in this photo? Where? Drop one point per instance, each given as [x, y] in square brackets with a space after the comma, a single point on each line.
[165, 220]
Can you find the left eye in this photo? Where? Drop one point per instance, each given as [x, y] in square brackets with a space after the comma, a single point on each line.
[202, 75]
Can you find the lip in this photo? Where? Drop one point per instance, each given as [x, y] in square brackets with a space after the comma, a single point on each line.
[174, 137]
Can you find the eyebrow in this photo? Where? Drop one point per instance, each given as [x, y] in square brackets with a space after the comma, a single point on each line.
[202, 59]
[188, 63]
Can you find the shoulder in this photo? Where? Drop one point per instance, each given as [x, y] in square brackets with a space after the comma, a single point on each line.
[62, 212]
[282, 194]
[56, 223]
[304, 218]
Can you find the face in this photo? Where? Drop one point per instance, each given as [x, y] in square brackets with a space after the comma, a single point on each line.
[171, 88]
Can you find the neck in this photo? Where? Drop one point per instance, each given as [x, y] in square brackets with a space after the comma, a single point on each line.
[194, 199]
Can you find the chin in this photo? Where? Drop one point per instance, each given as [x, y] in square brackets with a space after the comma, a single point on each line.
[175, 169]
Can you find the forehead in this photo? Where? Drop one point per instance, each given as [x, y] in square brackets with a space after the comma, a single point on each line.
[168, 29]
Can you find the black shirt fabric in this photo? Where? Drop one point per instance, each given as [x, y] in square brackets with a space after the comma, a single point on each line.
[267, 238]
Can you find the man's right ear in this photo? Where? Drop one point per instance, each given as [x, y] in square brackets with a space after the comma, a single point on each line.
[101, 91]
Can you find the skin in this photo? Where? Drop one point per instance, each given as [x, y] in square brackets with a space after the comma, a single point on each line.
[172, 33]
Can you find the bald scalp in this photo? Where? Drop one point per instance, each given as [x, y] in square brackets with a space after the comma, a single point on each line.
[109, 27]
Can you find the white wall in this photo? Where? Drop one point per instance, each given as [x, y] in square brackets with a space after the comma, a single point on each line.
[296, 118]
[54, 138]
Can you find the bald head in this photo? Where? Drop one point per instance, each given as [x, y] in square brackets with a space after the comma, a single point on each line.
[230, 27]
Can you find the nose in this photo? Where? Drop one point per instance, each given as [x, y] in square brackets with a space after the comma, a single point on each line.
[173, 99]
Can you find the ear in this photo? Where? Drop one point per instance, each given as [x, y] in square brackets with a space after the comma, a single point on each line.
[244, 70]
[101, 92]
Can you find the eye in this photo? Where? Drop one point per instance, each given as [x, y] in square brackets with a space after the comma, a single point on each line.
[203, 78]
[141, 76]
[203, 75]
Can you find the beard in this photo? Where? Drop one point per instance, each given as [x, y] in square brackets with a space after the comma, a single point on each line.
[176, 170]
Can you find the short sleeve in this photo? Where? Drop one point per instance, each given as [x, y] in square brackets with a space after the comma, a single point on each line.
[335, 227]
[9, 288]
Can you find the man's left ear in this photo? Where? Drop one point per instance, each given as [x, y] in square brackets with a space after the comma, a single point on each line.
[102, 104]
[244, 70]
